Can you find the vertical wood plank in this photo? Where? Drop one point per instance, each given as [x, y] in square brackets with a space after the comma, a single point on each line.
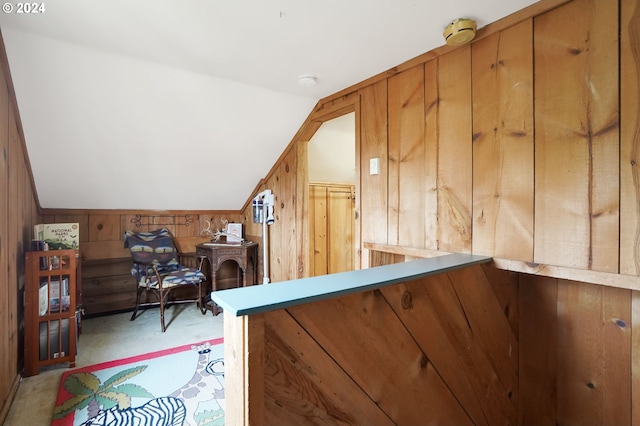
[8, 357]
[594, 363]
[244, 370]
[430, 179]
[538, 336]
[373, 144]
[275, 232]
[455, 152]
[302, 208]
[319, 237]
[406, 158]
[340, 219]
[311, 221]
[14, 244]
[635, 357]
[357, 225]
[630, 137]
[503, 144]
[287, 205]
[577, 136]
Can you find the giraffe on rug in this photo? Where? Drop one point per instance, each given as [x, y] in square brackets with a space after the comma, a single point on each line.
[205, 384]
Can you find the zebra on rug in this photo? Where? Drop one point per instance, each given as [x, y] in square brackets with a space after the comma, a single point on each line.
[164, 411]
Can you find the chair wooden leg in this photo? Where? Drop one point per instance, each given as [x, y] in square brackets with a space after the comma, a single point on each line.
[162, 297]
[135, 309]
[201, 303]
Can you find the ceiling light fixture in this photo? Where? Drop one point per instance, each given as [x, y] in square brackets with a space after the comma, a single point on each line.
[460, 31]
[307, 80]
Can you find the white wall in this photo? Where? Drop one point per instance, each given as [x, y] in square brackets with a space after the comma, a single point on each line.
[332, 151]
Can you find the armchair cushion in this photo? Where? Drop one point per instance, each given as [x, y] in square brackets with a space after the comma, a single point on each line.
[156, 250]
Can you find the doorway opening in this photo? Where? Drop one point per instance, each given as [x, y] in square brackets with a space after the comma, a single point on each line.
[332, 196]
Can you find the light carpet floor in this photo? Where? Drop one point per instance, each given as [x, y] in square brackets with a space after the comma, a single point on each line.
[107, 338]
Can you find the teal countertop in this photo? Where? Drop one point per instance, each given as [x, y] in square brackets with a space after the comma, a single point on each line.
[280, 295]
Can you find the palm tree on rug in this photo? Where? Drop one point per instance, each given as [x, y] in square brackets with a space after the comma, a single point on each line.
[88, 392]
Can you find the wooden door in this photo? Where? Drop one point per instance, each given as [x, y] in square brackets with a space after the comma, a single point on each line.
[331, 227]
[340, 224]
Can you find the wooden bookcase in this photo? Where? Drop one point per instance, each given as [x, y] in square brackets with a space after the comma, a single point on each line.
[50, 309]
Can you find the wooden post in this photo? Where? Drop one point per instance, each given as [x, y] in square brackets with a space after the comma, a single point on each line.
[244, 369]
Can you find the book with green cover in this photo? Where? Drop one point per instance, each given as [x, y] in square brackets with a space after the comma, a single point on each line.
[58, 236]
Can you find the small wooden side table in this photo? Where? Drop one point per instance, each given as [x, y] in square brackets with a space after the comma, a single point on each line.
[218, 253]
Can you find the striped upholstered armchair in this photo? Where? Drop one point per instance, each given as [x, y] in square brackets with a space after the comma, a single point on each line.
[156, 269]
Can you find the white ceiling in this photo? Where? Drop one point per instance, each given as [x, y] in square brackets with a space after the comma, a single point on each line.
[187, 104]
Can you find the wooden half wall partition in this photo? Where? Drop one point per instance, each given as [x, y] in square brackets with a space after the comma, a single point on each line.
[443, 340]
[420, 342]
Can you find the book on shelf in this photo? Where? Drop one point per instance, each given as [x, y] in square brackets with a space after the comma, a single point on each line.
[58, 236]
[43, 305]
[50, 297]
[52, 333]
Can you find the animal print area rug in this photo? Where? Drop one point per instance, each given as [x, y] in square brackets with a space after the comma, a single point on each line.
[179, 386]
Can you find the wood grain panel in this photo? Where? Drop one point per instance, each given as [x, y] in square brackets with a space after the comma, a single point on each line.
[101, 250]
[630, 137]
[406, 158]
[276, 232]
[635, 357]
[538, 345]
[455, 152]
[505, 288]
[491, 377]
[302, 209]
[18, 231]
[106, 268]
[109, 285]
[593, 354]
[413, 305]
[303, 385]
[341, 222]
[318, 228]
[577, 145]
[105, 227]
[364, 336]
[373, 144]
[489, 325]
[503, 144]
[8, 358]
[282, 234]
[287, 205]
[244, 370]
[380, 258]
[430, 179]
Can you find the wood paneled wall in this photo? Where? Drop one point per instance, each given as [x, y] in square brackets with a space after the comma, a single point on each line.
[578, 353]
[510, 146]
[18, 214]
[107, 284]
[523, 146]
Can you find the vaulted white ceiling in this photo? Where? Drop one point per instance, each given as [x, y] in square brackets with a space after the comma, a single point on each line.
[187, 104]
